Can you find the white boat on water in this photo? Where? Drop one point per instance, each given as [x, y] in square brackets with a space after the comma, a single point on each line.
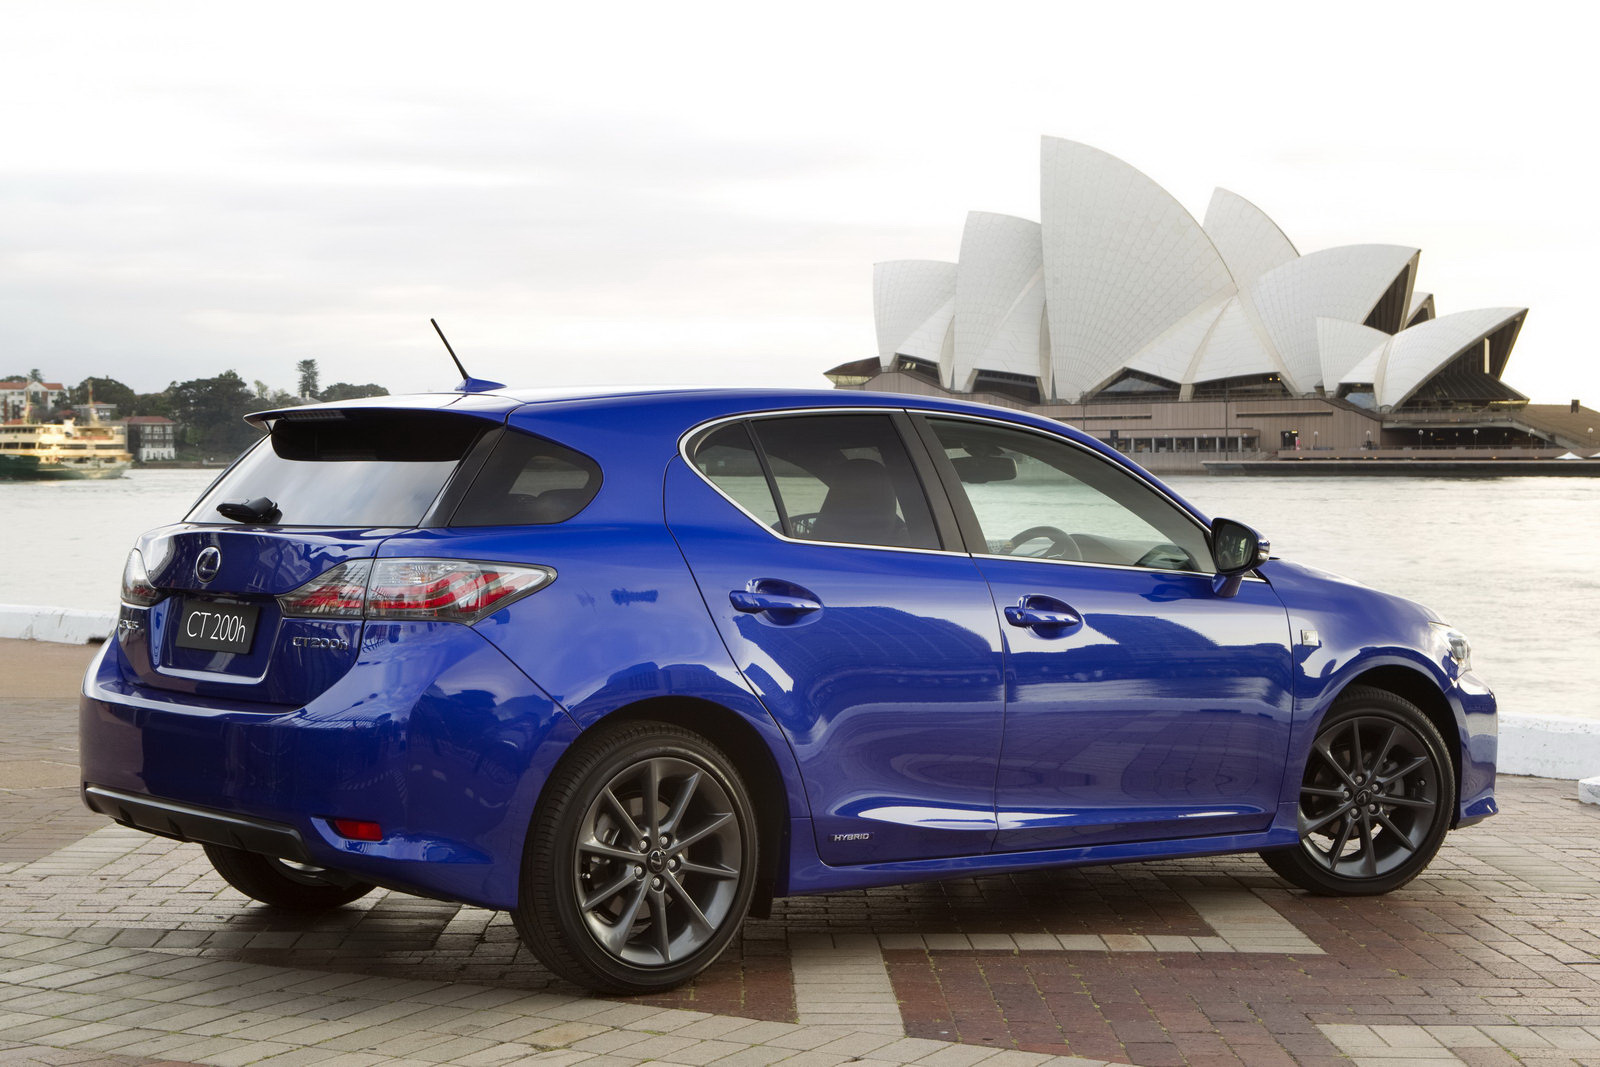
[35, 451]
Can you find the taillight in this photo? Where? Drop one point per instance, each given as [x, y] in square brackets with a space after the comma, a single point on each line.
[340, 593]
[136, 587]
[445, 590]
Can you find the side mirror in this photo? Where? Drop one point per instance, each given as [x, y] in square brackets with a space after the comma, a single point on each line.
[1236, 549]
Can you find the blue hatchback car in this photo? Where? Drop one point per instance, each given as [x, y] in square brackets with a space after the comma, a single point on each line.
[629, 665]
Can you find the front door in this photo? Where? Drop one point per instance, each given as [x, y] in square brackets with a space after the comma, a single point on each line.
[1140, 705]
[873, 645]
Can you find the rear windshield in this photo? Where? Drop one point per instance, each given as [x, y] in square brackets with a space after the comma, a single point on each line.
[377, 469]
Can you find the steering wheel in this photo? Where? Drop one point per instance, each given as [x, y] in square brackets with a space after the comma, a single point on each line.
[803, 524]
[1167, 556]
[1062, 545]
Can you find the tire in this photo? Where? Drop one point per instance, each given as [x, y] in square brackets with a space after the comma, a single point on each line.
[283, 884]
[1357, 839]
[623, 896]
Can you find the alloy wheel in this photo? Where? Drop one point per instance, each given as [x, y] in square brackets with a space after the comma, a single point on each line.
[657, 862]
[1369, 798]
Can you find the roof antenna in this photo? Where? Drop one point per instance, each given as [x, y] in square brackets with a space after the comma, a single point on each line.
[469, 384]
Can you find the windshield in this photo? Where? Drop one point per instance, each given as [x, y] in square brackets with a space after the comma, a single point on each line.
[370, 469]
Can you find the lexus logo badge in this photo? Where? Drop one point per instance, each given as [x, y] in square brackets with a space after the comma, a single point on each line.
[209, 563]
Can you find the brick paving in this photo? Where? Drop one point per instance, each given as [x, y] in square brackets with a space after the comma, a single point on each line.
[117, 947]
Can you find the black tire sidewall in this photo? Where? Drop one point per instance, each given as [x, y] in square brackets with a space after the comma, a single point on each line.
[1295, 865]
[549, 915]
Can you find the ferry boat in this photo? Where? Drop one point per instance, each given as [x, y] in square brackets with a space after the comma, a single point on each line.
[34, 451]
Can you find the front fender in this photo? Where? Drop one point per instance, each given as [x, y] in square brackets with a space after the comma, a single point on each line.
[1343, 632]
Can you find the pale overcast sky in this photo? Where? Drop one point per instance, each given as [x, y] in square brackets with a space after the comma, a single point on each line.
[696, 193]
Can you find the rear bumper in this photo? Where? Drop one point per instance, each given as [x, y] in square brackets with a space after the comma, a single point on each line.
[184, 822]
[433, 734]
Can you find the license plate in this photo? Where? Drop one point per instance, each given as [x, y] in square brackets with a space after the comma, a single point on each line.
[216, 627]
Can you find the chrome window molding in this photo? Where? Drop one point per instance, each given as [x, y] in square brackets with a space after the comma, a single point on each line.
[700, 428]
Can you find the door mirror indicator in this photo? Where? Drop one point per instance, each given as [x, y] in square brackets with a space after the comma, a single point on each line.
[1235, 549]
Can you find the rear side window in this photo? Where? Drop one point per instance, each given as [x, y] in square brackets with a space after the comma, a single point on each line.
[359, 469]
[844, 479]
[529, 481]
[727, 456]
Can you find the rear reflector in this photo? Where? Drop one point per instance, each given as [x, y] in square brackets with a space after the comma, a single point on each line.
[437, 589]
[358, 829]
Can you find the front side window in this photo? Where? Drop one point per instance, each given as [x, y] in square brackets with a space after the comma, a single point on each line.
[1039, 496]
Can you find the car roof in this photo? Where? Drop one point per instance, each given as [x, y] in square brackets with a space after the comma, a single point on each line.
[509, 398]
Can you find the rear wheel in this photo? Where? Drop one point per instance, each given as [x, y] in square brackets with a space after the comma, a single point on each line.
[1375, 801]
[284, 883]
[641, 861]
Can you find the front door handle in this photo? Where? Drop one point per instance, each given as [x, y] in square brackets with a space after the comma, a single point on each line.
[1043, 614]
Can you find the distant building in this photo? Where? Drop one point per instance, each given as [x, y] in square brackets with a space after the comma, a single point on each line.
[19, 397]
[151, 437]
[1120, 299]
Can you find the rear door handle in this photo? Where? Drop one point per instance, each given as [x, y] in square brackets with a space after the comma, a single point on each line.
[759, 602]
[1044, 614]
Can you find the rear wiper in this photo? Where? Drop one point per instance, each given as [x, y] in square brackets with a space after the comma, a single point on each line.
[258, 512]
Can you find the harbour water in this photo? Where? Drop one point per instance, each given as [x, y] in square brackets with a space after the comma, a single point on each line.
[1509, 561]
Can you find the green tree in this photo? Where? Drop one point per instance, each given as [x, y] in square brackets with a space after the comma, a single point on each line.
[307, 369]
[346, 391]
[106, 391]
[212, 411]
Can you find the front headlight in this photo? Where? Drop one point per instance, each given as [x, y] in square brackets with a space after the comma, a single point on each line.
[1454, 644]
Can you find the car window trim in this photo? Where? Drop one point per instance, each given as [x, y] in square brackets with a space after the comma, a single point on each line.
[936, 502]
[971, 529]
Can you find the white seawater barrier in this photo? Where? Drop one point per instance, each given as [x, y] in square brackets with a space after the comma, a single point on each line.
[1544, 746]
[65, 625]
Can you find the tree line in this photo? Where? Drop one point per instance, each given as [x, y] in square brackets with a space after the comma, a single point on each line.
[210, 411]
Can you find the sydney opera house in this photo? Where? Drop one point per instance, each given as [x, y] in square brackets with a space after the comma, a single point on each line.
[1121, 313]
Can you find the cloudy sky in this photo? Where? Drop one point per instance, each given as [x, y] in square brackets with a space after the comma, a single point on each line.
[696, 193]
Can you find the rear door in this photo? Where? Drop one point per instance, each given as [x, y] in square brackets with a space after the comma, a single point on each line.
[867, 633]
[339, 482]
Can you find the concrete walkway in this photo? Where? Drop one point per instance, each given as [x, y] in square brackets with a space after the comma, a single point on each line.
[118, 947]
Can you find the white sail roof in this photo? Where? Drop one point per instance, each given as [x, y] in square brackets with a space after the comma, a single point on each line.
[1342, 346]
[913, 300]
[1337, 283]
[1422, 309]
[999, 298]
[1250, 243]
[1123, 263]
[1414, 355]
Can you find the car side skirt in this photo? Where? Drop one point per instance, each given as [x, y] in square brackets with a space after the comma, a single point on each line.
[808, 874]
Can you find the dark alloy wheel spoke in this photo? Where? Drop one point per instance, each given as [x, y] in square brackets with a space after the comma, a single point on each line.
[1322, 749]
[709, 828]
[1415, 764]
[679, 806]
[1318, 823]
[1409, 802]
[1400, 836]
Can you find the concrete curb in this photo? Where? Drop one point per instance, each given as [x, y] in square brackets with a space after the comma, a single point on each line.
[1542, 746]
[64, 625]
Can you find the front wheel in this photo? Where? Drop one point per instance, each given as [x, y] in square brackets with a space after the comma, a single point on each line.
[1375, 801]
[641, 861]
